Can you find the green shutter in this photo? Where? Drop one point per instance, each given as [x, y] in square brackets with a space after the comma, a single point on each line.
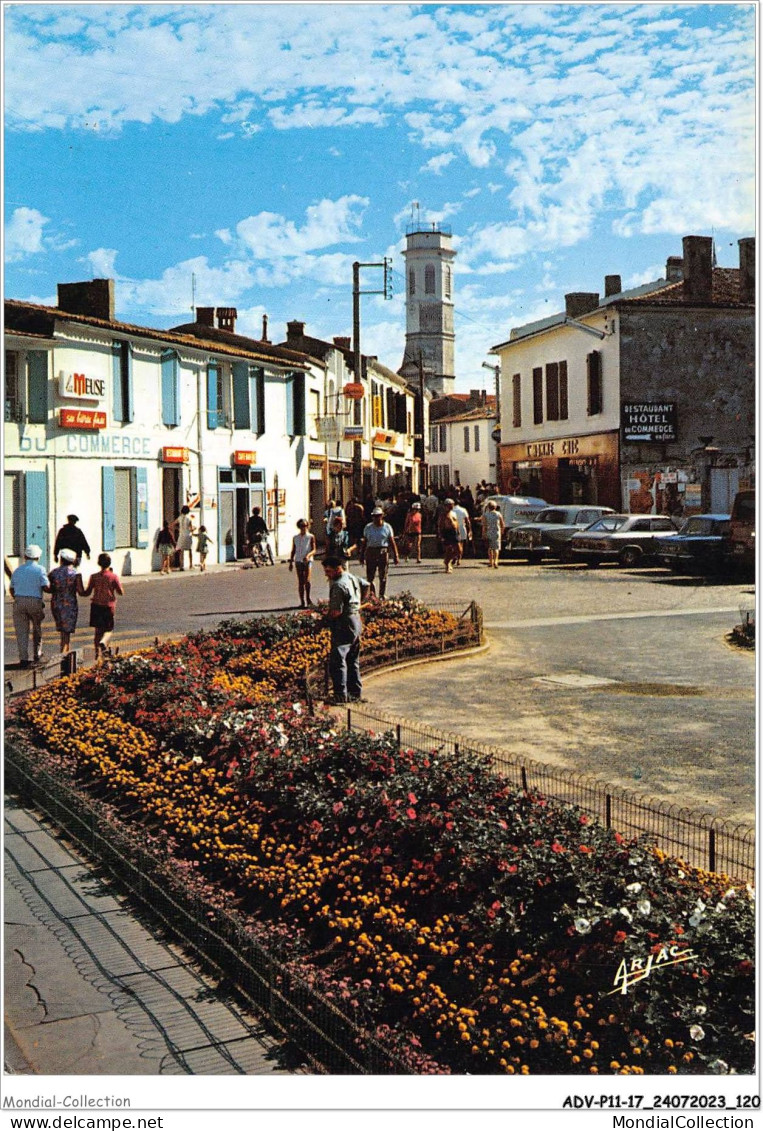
[212, 408]
[37, 405]
[140, 495]
[241, 412]
[36, 511]
[170, 389]
[109, 507]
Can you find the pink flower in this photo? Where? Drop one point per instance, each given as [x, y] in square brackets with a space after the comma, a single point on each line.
[411, 813]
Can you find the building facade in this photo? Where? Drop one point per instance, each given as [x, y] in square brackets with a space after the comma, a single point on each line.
[429, 332]
[123, 425]
[462, 446]
[643, 400]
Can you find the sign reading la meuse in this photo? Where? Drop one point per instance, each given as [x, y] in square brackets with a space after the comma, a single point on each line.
[77, 386]
[649, 421]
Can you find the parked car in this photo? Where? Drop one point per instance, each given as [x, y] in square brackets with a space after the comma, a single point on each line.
[630, 539]
[701, 544]
[549, 533]
[741, 548]
[515, 510]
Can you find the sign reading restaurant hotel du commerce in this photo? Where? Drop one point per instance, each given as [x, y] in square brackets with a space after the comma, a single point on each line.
[649, 422]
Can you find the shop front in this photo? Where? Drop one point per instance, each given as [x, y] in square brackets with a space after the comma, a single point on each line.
[240, 488]
[573, 469]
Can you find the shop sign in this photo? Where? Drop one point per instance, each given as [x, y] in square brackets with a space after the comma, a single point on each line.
[354, 391]
[244, 459]
[77, 386]
[329, 429]
[353, 432]
[649, 421]
[385, 439]
[87, 419]
[174, 455]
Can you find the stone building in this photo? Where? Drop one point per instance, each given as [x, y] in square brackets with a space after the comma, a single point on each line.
[429, 334]
[643, 400]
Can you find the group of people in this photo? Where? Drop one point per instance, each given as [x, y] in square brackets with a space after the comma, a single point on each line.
[30, 581]
[177, 538]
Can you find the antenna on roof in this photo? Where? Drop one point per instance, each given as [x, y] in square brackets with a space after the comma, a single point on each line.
[416, 212]
[193, 295]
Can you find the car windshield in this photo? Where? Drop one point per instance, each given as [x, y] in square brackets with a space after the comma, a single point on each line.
[703, 526]
[556, 517]
[610, 523]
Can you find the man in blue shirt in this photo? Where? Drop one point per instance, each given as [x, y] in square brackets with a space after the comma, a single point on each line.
[345, 600]
[28, 583]
[378, 539]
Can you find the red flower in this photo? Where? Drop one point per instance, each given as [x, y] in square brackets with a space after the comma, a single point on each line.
[411, 813]
[620, 936]
[557, 847]
[412, 798]
[585, 848]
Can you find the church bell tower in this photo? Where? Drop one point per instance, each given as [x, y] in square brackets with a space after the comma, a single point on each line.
[429, 333]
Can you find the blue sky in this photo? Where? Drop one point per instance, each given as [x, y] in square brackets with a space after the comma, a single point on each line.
[264, 148]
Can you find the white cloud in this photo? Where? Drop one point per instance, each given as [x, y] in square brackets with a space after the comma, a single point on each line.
[437, 164]
[24, 234]
[271, 236]
[102, 262]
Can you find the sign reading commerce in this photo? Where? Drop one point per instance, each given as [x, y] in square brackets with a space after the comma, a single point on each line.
[649, 422]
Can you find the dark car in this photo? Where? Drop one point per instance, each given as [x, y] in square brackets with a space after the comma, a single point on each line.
[741, 549]
[630, 539]
[701, 544]
[549, 533]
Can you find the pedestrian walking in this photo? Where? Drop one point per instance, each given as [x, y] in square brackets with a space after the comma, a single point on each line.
[65, 587]
[356, 519]
[464, 530]
[103, 588]
[346, 598]
[302, 554]
[377, 543]
[165, 546]
[492, 529]
[185, 533]
[333, 510]
[28, 583]
[70, 537]
[448, 531]
[203, 542]
[338, 542]
[412, 532]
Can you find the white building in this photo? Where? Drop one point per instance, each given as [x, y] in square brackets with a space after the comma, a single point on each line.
[429, 333]
[123, 425]
[462, 447]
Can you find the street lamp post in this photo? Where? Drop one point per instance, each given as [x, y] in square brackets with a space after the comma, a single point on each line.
[357, 455]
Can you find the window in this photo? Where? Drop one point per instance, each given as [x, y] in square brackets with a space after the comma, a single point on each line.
[411, 282]
[429, 286]
[123, 509]
[443, 438]
[448, 280]
[556, 390]
[537, 396]
[12, 389]
[170, 389]
[516, 395]
[215, 397]
[476, 437]
[12, 527]
[595, 398]
[122, 390]
[295, 404]
[434, 435]
[315, 411]
[257, 399]
[466, 438]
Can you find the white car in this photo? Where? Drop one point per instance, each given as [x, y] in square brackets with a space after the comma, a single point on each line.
[515, 509]
[630, 539]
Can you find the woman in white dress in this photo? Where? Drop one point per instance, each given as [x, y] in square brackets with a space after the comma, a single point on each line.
[185, 529]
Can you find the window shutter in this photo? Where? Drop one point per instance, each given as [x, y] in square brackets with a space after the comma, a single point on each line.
[212, 406]
[129, 405]
[122, 399]
[170, 389]
[109, 507]
[117, 409]
[140, 496]
[466, 438]
[476, 437]
[241, 411]
[563, 397]
[290, 405]
[36, 511]
[537, 396]
[516, 390]
[593, 362]
[299, 404]
[552, 391]
[37, 404]
[257, 400]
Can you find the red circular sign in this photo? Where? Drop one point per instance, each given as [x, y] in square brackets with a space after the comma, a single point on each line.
[354, 391]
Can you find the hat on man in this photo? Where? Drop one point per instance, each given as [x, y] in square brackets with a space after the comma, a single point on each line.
[415, 506]
[377, 510]
[449, 503]
[33, 552]
[67, 555]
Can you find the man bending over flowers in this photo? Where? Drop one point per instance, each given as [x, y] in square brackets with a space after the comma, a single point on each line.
[346, 595]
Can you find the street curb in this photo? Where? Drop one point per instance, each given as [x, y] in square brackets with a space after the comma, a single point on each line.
[455, 654]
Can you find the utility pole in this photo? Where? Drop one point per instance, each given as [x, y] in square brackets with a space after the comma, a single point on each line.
[357, 452]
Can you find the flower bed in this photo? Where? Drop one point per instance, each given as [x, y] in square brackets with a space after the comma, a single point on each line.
[465, 925]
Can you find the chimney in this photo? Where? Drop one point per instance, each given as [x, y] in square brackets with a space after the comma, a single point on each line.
[205, 315]
[580, 302]
[747, 270]
[342, 343]
[264, 337]
[698, 268]
[226, 318]
[95, 299]
[295, 331]
[674, 269]
[613, 285]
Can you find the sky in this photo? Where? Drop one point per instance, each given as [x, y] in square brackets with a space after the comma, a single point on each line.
[247, 154]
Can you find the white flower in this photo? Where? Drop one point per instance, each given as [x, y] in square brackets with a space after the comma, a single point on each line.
[696, 1032]
[626, 914]
[720, 907]
[296, 708]
[701, 1010]
[730, 894]
[197, 759]
[582, 926]
[643, 907]
[720, 1067]
[634, 889]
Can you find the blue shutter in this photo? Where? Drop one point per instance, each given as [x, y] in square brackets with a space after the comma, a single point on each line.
[37, 404]
[36, 512]
[141, 507]
[116, 390]
[289, 389]
[109, 506]
[170, 389]
[241, 413]
[130, 405]
[212, 396]
[258, 401]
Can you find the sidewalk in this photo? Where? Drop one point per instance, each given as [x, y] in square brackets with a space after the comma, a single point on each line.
[90, 989]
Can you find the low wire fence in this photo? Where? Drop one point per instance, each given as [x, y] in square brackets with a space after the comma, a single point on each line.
[697, 838]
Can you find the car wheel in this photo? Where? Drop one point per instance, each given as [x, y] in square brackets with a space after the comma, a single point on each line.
[566, 555]
[630, 556]
[532, 557]
[592, 563]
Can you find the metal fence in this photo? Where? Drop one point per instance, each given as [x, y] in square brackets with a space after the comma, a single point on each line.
[696, 838]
